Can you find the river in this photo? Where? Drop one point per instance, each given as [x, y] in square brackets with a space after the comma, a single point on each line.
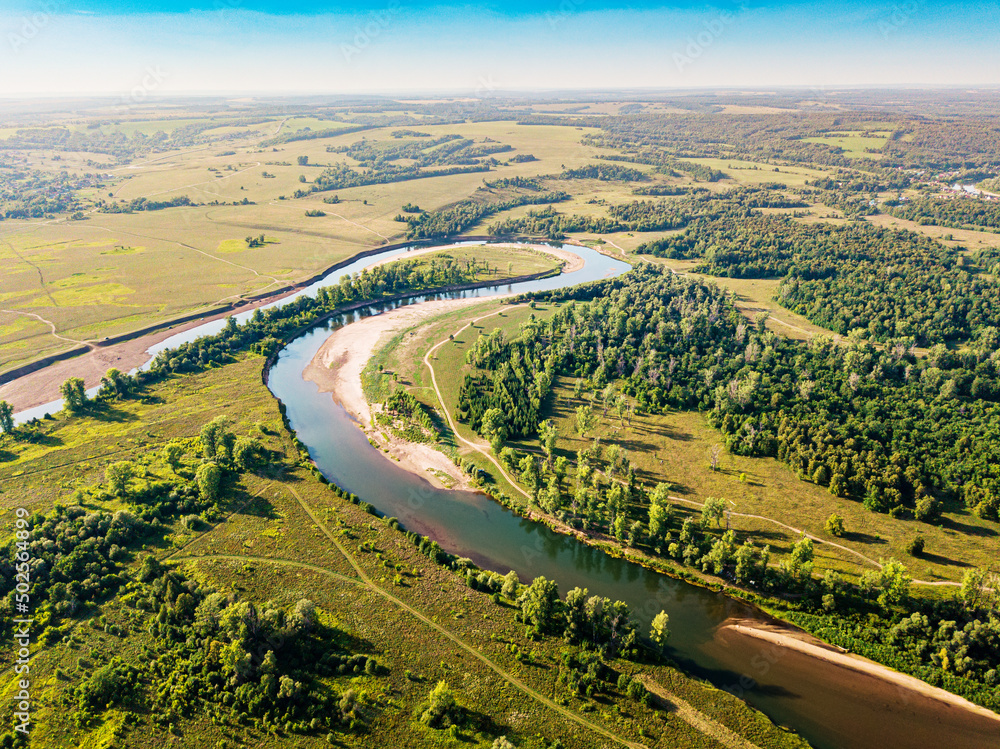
[831, 706]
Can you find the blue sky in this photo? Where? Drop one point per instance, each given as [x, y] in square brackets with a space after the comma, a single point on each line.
[117, 47]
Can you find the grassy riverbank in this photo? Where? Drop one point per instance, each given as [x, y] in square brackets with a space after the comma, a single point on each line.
[283, 536]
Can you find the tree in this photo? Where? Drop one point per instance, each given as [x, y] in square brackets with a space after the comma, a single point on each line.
[212, 437]
[835, 525]
[800, 562]
[118, 475]
[172, 453]
[721, 554]
[303, 160]
[750, 561]
[209, 478]
[916, 546]
[979, 589]
[494, 427]
[116, 384]
[6, 417]
[442, 707]
[716, 454]
[548, 434]
[247, 453]
[659, 631]
[927, 509]
[502, 743]
[660, 512]
[890, 582]
[538, 602]
[74, 395]
[584, 419]
[510, 586]
[713, 509]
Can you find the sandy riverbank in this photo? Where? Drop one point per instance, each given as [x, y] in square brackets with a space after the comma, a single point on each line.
[337, 369]
[337, 366]
[803, 642]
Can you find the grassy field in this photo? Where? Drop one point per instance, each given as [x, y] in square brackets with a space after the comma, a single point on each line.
[755, 173]
[854, 144]
[111, 273]
[93, 278]
[287, 537]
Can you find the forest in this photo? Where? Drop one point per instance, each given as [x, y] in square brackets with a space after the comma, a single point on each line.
[483, 203]
[887, 282]
[955, 213]
[900, 434]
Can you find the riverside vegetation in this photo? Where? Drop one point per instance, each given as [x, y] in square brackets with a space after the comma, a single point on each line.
[843, 227]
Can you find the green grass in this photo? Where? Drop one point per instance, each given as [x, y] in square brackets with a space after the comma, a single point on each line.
[854, 144]
[676, 448]
[189, 259]
[270, 523]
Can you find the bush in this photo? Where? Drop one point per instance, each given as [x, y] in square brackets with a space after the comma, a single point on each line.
[835, 525]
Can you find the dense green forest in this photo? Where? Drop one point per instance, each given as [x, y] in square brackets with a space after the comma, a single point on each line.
[955, 213]
[887, 282]
[483, 203]
[900, 434]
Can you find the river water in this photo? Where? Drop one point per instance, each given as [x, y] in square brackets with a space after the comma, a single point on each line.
[832, 707]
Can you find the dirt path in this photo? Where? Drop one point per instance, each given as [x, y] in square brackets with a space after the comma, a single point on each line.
[360, 226]
[697, 720]
[267, 560]
[42, 386]
[481, 447]
[816, 539]
[337, 366]
[51, 325]
[513, 680]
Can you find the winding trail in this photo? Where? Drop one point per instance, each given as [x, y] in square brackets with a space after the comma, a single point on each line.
[197, 185]
[370, 584]
[41, 277]
[698, 720]
[484, 450]
[477, 446]
[50, 324]
[360, 226]
[274, 280]
[267, 560]
[817, 539]
[364, 580]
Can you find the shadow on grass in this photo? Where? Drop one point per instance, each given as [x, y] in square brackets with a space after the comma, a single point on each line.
[106, 412]
[259, 507]
[965, 528]
[862, 538]
[666, 431]
[939, 559]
